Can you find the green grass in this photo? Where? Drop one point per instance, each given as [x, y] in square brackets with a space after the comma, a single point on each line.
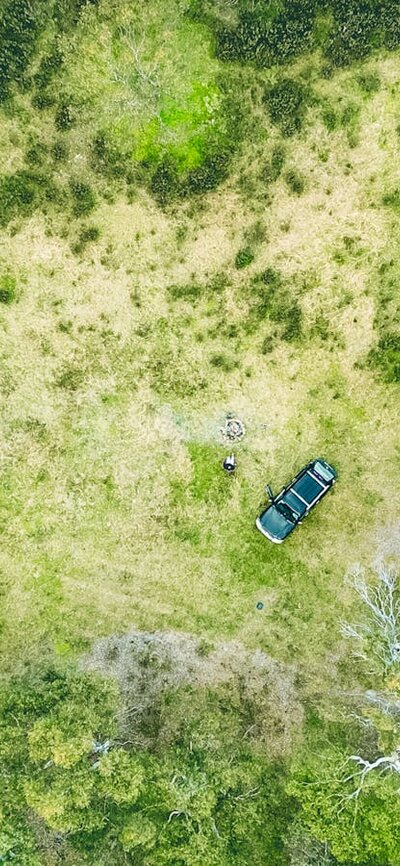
[128, 334]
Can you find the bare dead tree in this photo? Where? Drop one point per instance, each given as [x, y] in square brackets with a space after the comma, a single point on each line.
[385, 763]
[379, 632]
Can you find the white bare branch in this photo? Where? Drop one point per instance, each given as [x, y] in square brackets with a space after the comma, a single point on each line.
[387, 763]
[381, 601]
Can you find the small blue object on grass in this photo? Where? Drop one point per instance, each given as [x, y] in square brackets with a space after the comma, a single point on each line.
[259, 605]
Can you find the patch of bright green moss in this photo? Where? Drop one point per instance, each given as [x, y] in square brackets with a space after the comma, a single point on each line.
[149, 84]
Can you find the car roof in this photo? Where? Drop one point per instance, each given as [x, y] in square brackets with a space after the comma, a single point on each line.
[308, 487]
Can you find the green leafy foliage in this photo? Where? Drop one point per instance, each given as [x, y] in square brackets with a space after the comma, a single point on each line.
[8, 285]
[276, 33]
[273, 168]
[286, 103]
[21, 23]
[295, 181]
[187, 800]
[83, 196]
[244, 258]
[385, 357]
[360, 830]
[19, 194]
[271, 298]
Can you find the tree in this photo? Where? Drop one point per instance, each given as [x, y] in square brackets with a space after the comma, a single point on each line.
[199, 795]
[359, 827]
[378, 635]
[351, 800]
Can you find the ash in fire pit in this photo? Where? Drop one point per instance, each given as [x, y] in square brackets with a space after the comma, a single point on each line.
[233, 429]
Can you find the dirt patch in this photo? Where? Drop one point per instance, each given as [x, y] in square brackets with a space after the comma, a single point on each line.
[148, 666]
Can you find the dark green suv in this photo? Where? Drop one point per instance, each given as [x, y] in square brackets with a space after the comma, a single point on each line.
[295, 501]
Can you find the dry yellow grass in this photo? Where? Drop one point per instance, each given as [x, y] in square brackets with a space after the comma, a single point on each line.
[101, 529]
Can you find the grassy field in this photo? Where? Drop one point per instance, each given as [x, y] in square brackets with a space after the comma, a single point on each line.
[122, 353]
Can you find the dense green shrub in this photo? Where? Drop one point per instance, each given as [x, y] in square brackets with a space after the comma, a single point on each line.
[64, 118]
[43, 99]
[286, 102]
[185, 292]
[392, 199]
[87, 235]
[273, 168]
[19, 194]
[385, 357]
[291, 316]
[7, 289]
[84, 199]
[223, 362]
[271, 277]
[59, 151]
[369, 82]
[36, 154]
[271, 298]
[207, 176]
[244, 258]
[275, 33]
[266, 33]
[70, 378]
[48, 66]
[330, 119]
[107, 158]
[164, 182]
[359, 28]
[21, 22]
[267, 345]
[295, 181]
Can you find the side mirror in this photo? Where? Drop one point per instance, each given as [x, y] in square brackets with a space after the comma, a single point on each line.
[269, 493]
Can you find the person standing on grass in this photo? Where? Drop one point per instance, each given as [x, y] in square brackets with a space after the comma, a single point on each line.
[230, 464]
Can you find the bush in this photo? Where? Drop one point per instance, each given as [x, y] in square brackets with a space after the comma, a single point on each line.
[369, 82]
[48, 66]
[273, 168]
[358, 28]
[330, 119]
[42, 100]
[292, 318]
[286, 102]
[164, 182]
[87, 235]
[267, 34]
[270, 298]
[84, 199]
[186, 292]
[392, 199]
[385, 357]
[272, 278]
[244, 258]
[267, 345]
[21, 23]
[7, 289]
[223, 362]
[64, 118]
[20, 193]
[37, 153]
[70, 378]
[295, 182]
[107, 158]
[207, 176]
[59, 151]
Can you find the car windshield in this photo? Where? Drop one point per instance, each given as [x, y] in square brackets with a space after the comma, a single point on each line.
[285, 511]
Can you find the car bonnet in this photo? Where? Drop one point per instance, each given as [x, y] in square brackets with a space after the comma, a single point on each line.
[275, 523]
